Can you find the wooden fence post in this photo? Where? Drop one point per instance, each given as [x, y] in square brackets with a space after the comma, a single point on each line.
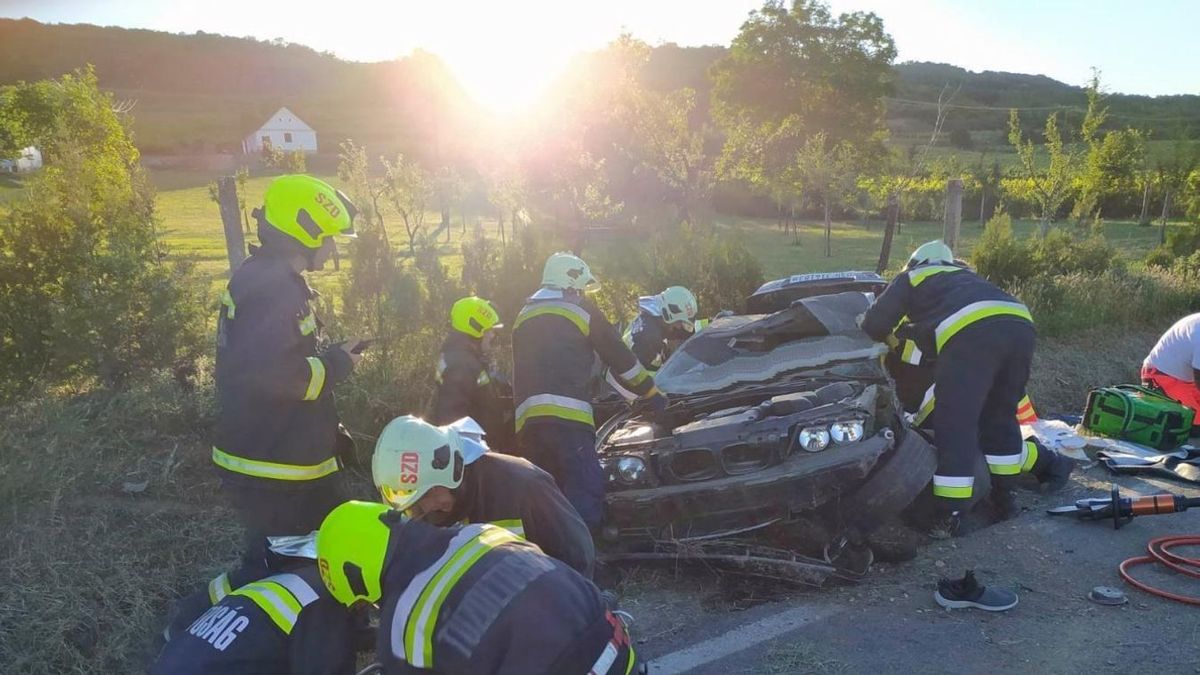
[235, 242]
[953, 219]
[889, 231]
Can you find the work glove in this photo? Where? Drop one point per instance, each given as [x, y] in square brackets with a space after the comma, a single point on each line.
[655, 407]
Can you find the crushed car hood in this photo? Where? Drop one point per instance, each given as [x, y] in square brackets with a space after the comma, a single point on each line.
[812, 333]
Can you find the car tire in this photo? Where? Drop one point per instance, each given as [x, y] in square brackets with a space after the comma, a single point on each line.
[891, 487]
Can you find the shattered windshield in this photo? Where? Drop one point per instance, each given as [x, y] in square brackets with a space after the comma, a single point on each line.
[812, 333]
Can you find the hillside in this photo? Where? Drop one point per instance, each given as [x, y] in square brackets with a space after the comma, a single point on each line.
[203, 92]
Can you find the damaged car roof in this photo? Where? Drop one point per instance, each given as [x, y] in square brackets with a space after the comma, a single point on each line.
[812, 333]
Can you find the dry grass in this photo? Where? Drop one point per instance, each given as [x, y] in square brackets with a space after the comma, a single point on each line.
[109, 514]
[1066, 367]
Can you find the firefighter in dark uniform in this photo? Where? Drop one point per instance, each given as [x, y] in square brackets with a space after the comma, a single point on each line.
[468, 599]
[277, 429]
[467, 385]
[663, 321]
[983, 341]
[555, 339]
[914, 372]
[444, 476]
[284, 623]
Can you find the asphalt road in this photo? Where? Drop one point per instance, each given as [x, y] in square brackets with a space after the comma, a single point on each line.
[890, 624]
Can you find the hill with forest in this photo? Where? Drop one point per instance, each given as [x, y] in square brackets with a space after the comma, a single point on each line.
[203, 92]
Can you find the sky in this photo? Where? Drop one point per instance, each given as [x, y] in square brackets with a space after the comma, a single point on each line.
[506, 52]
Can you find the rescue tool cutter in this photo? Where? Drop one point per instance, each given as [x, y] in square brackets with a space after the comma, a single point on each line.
[1123, 509]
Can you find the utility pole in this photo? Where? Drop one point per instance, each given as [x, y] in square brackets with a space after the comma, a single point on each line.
[953, 219]
[235, 242]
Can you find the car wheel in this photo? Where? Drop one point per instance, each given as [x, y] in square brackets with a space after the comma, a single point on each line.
[904, 473]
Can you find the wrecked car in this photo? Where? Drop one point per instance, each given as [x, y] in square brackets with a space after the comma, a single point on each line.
[778, 421]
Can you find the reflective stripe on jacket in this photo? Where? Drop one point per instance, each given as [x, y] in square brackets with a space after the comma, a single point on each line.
[276, 419]
[555, 340]
[939, 301]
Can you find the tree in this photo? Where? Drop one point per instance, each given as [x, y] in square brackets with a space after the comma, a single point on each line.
[1173, 178]
[792, 73]
[447, 188]
[1049, 189]
[1113, 158]
[409, 191]
[84, 287]
[826, 174]
[673, 149]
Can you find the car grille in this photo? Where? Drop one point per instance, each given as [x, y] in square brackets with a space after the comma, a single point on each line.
[697, 464]
[742, 458]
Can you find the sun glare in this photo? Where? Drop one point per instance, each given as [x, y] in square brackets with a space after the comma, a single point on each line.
[506, 81]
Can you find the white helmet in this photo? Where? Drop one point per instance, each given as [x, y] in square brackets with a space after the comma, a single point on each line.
[678, 306]
[568, 271]
[412, 456]
[934, 252]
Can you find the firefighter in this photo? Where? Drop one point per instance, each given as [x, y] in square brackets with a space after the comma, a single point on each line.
[663, 321]
[555, 338]
[982, 341]
[467, 599]
[443, 476]
[467, 386]
[914, 372]
[277, 433]
[284, 623]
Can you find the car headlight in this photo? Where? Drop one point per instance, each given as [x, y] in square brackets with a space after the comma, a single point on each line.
[813, 439]
[846, 432]
[631, 469]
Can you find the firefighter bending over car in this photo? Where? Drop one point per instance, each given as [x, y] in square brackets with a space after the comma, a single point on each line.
[982, 341]
[555, 338]
[663, 321]
[467, 599]
[446, 475]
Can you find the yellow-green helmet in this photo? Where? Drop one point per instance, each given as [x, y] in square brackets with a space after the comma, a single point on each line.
[933, 252]
[678, 306]
[474, 316]
[568, 271]
[351, 547]
[308, 210]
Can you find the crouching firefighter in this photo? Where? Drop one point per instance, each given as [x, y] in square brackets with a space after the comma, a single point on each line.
[555, 339]
[277, 434]
[467, 599]
[284, 623]
[982, 341]
[446, 475]
[467, 385]
[663, 320]
[914, 373]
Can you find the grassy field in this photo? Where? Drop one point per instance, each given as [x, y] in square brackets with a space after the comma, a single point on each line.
[191, 227]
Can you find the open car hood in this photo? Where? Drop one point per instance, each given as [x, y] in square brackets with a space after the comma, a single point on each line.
[813, 333]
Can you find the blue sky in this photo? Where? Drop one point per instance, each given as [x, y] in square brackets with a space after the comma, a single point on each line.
[507, 50]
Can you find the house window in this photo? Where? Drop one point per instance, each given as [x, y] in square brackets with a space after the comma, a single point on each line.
[266, 141]
[287, 137]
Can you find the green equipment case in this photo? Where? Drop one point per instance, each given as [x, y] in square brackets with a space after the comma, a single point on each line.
[1138, 414]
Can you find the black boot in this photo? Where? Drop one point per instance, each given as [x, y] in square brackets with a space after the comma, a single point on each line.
[1056, 474]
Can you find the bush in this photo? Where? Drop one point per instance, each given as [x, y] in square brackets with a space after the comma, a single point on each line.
[1003, 259]
[1067, 303]
[86, 292]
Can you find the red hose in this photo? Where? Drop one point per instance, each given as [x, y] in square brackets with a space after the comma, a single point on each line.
[1160, 552]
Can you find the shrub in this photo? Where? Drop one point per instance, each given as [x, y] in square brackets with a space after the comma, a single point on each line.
[998, 256]
[86, 292]
[1003, 259]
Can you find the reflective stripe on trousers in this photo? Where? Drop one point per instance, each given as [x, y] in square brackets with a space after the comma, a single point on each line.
[421, 602]
[273, 470]
[953, 487]
[552, 405]
[1011, 465]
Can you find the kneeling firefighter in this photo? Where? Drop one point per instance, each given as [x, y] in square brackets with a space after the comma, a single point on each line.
[467, 384]
[467, 599]
[663, 320]
[284, 623]
[446, 475]
[555, 340]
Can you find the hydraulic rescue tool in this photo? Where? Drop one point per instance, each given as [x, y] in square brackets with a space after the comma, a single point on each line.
[1123, 509]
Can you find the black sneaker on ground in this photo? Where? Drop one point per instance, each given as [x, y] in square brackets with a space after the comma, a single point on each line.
[966, 593]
